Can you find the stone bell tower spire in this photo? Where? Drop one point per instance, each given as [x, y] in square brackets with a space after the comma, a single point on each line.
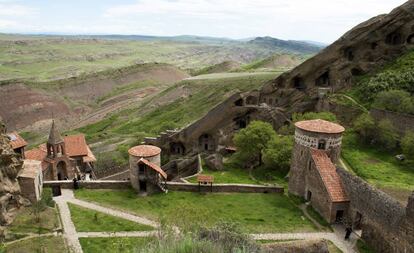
[55, 144]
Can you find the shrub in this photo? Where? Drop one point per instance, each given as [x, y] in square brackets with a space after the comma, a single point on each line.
[407, 145]
[252, 140]
[365, 127]
[395, 100]
[387, 135]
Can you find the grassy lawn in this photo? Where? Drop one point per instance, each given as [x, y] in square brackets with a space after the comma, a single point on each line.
[114, 244]
[230, 174]
[87, 220]
[253, 212]
[379, 168]
[25, 221]
[49, 244]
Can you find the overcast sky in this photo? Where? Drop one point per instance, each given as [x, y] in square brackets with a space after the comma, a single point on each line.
[318, 20]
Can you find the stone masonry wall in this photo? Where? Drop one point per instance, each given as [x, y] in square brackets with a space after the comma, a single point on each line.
[386, 224]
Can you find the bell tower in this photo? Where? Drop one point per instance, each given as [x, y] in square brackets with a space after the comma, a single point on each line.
[55, 144]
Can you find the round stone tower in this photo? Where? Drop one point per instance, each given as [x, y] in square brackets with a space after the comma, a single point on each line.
[312, 134]
[142, 161]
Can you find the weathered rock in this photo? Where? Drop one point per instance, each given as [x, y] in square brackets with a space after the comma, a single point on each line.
[10, 166]
[214, 161]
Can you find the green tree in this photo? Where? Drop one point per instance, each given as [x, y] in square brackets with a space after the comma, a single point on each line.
[365, 127]
[252, 140]
[387, 135]
[407, 145]
[278, 153]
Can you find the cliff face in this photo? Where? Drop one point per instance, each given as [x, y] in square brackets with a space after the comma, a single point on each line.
[363, 49]
[10, 166]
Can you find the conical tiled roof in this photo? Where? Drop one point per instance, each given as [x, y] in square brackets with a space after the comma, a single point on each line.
[54, 135]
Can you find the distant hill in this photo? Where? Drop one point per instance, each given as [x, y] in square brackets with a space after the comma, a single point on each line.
[222, 67]
[287, 45]
[275, 62]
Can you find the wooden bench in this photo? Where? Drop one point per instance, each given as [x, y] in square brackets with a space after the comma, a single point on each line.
[205, 180]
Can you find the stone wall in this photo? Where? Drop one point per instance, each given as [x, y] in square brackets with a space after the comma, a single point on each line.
[101, 184]
[401, 122]
[241, 188]
[386, 225]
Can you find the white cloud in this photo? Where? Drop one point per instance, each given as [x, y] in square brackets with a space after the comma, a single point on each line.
[11, 9]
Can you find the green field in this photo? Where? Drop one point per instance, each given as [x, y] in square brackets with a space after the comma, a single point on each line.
[51, 57]
[379, 168]
[87, 220]
[49, 244]
[253, 212]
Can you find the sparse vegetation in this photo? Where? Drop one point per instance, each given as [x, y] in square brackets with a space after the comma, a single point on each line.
[407, 145]
[49, 244]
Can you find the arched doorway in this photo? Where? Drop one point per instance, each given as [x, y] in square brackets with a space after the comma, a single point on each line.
[206, 142]
[177, 148]
[61, 171]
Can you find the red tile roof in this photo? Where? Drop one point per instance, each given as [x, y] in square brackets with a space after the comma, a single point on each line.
[75, 145]
[16, 140]
[90, 157]
[330, 177]
[153, 166]
[320, 126]
[38, 154]
[144, 151]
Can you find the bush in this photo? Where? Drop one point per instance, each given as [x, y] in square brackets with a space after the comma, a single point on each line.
[387, 135]
[395, 100]
[278, 153]
[252, 140]
[407, 145]
[365, 127]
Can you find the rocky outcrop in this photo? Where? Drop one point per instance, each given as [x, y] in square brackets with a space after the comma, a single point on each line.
[365, 48]
[10, 166]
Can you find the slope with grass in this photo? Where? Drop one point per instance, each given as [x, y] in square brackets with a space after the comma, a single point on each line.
[114, 244]
[255, 213]
[276, 62]
[379, 168]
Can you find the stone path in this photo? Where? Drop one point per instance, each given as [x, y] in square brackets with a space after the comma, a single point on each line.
[69, 233]
[118, 234]
[72, 237]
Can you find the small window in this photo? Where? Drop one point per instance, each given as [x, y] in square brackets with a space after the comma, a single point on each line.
[141, 168]
[322, 144]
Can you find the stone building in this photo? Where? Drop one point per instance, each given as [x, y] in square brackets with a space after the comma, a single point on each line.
[31, 180]
[145, 170]
[313, 174]
[63, 157]
[17, 142]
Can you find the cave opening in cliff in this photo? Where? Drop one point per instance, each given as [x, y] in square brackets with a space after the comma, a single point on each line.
[394, 39]
[323, 80]
[349, 54]
[410, 39]
[357, 72]
[239, 102]
[299, 83]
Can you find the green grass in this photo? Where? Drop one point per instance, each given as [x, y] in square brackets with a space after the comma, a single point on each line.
[269, 176]
[114, 244]
[317, 217]
[49, 244]
[379, 168]
[49, 58]
[333, 249]
[254, 212]
[363, 247]
[25, 221]
[87, 220]
[230, 174]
